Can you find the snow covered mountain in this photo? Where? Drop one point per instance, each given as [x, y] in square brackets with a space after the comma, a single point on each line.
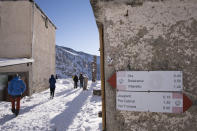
[70, 62]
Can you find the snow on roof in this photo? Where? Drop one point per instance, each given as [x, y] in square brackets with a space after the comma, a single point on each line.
[8, 62]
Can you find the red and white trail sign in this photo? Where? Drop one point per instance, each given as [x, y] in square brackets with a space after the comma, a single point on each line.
[149, 80]
[154, 91]
[152, 101]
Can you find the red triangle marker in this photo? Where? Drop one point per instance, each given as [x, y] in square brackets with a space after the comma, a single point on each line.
[187, 103]
[112, 80]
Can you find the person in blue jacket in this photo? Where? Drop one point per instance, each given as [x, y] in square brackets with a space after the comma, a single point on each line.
[52, 82]
[16, 88]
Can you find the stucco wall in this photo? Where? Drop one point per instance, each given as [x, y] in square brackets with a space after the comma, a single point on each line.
[15, 29]
[43, 51]
[150, 35]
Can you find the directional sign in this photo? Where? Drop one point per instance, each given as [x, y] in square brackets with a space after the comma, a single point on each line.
[152, 101]
[153, 91]
[149, 80]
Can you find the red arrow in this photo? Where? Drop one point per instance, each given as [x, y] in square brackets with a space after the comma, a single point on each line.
[187, 103]
[112, 80]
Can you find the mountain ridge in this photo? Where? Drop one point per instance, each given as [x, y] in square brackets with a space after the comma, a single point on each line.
[70, 62]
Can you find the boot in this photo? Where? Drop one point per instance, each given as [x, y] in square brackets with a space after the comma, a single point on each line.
[16, 112]
[13, 110]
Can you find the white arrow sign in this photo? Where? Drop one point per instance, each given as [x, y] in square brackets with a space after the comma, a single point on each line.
[149, 80]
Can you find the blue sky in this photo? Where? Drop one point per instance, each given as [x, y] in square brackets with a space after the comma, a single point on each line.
[76, 26]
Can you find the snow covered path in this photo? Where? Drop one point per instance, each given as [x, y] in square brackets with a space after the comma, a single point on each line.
[70, 110]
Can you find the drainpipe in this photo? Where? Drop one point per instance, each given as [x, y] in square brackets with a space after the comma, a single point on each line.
[100, 26]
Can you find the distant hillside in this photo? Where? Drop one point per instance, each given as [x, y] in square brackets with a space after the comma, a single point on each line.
[70, 62]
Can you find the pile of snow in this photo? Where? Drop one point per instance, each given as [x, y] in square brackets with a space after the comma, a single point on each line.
[70, 110]
[70, 62]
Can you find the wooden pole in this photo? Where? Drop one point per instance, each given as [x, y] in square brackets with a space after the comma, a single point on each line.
[102, 76]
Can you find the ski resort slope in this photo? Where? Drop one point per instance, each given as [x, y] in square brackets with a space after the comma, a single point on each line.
[70, 110]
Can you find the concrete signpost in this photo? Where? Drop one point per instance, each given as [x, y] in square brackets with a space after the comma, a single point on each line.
[151, 91]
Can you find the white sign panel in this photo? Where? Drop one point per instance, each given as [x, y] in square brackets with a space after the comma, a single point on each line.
[149, 80]
[149, 101]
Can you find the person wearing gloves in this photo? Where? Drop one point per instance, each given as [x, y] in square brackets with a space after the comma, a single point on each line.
[16, 88]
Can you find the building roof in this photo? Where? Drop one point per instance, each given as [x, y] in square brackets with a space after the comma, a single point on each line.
[37, 8]
[43, 13]
[9, 62]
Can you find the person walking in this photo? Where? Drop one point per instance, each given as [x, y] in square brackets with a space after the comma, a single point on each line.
[52, 82]
[85, 82]
[81, 80]
[16, 88]
[75, 79]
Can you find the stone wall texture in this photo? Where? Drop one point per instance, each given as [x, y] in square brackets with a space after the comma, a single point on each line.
[155, 35]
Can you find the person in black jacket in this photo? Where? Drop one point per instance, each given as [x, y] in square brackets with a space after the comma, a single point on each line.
[81, 80]
[52, 82]
[75, 79]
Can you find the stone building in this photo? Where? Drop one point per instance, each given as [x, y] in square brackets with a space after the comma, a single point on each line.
[27, 45]
[147, 35]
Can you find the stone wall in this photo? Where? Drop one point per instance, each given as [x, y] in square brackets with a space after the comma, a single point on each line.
[43, 50]
[141, 35]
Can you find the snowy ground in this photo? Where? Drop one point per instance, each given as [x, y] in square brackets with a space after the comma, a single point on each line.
[70, 110]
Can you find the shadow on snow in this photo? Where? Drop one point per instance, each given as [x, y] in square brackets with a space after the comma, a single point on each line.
[67, 92]
[63, 120]
[9, 117]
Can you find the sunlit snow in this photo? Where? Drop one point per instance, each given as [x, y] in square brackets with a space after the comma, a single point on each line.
[70, 110]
